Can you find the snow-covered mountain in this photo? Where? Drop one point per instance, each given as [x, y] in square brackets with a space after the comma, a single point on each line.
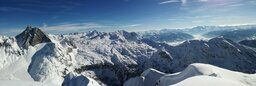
[110, 58]
[166, 35]
[196, 74]
[236, 34]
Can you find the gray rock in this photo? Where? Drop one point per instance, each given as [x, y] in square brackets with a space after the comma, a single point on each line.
[31, 36]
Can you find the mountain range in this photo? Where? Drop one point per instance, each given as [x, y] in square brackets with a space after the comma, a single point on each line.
[113, 58]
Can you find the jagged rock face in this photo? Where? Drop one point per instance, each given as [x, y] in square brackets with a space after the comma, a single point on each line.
[31, 36]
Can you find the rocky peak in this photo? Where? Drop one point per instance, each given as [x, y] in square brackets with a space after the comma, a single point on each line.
[31, 36]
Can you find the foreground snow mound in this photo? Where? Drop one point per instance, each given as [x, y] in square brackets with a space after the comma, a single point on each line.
[212, 74]
[147, 78]
[197, 74]
[73, 79]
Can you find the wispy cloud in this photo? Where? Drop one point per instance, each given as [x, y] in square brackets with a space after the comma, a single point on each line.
[183, 2]
[132, 25]
[72, 27]
[169, 1]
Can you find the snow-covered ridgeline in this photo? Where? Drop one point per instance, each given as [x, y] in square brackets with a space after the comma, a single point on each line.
[194, 75]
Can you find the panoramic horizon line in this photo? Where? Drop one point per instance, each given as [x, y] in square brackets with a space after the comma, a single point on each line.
[44, 29]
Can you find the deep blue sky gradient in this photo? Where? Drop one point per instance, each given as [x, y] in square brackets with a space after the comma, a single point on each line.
[62, 16]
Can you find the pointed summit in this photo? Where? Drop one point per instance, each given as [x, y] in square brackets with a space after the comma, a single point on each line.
[31, 36]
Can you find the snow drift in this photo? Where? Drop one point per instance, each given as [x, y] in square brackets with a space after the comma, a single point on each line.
[198, 74]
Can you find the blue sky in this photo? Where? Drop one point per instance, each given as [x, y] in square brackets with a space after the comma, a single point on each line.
[63, 16]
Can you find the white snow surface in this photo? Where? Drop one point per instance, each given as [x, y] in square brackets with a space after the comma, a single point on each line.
[74, 79]
[207, 81]
[23, 83]
[198, 74]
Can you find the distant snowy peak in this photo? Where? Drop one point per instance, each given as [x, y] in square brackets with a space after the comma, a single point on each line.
[121, 35]
[217, 51]
[31, 36]
[166, 35]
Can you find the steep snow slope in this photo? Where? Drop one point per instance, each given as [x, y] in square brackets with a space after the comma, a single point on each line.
[197, 74]
[50, 64]
[16, 60]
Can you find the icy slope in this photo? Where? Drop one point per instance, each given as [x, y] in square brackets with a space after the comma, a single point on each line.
[197, 74]
[50, 64]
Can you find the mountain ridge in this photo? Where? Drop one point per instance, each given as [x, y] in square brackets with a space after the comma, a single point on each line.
[111, 58]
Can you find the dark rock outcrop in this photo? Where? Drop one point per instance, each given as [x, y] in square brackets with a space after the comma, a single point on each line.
[250, 43]
[31, 36]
